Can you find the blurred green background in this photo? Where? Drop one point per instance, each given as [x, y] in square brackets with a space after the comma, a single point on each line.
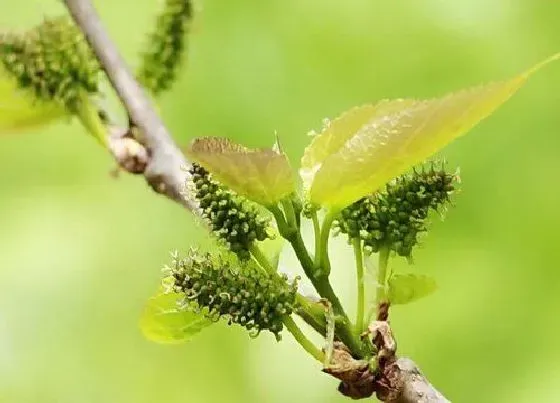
[80, 252]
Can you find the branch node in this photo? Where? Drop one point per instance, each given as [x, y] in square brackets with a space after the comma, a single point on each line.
[393, 380]
[155, 154]
[129, 153]
[357, 381]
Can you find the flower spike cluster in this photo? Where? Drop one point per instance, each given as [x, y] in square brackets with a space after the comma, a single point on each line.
[241, 293]
[394, 217]
[53, 60]
[165, 47]
[231, 217]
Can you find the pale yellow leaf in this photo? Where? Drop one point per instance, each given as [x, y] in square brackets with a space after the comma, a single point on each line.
[262, 175]
[368, 146]
[20, 110]
[165, 321]
[406, 288]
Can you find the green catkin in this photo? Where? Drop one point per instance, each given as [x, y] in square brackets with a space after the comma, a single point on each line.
[165, 46]
[394, 217]
[240, 293]
[53, 60]
[231, 217]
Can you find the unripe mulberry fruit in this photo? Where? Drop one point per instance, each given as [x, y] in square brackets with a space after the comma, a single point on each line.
[231, 217]
[242, 294]
[395, 216]
[53, 61]
[166, 46]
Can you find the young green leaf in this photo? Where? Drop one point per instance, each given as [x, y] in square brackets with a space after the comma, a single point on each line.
[19, 110]
[332, 138]
[367, 146]
[272, 248]
[406, 288]
[262, 175]
[48, 72]
[164, 321]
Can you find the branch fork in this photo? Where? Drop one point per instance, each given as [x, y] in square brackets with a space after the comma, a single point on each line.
[130, 155]
[392, 379]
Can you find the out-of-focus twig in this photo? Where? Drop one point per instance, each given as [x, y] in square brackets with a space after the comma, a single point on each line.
[165, 165]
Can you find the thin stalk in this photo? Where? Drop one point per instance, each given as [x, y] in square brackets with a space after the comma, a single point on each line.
[329, 337]
[261, 259]
[298, 208]
[357, 244]
[312, 313]
[302, 339]
[290, 213]
[317, 233]
[323, 261]
[89, 117]
[369, 316]
[321, 283]
[283, 227]
[381, 293]
[342, 325]
[319, 278]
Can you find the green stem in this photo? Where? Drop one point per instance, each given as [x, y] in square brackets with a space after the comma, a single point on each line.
[357, 243]
[303, 340]
[261, 259]
[317, 232]
[330, 333]
[290, 213]
[298, 208]
[321, 283]
[322, 261]
[89, 117]
[313, 313]
[283, 227]
[319, 278]
[381, 293]
[314, 316]
[372, 311]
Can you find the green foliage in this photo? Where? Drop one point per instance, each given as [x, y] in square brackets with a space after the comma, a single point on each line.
[166, 319]
[406, 288]
[52, 61]
[262, 175]
[165, 46]
[241, 293]
[19, 110]
[231, 217]
[353, 169]
[367, 146]
[272, 248]
[394, 217]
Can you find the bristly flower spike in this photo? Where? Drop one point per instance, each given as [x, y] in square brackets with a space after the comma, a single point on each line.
[166, 46]
[395, 216]
[232, 218]
[53, 61]
[241, 293]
